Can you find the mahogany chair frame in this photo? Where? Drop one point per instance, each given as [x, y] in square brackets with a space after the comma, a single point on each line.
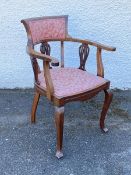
[49, 92]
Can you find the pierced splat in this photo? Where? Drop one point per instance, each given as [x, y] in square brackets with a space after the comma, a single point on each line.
[45, 48]
[83, 53]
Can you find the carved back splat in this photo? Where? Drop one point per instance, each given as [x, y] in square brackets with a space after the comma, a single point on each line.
[45, 48]
[83, 53]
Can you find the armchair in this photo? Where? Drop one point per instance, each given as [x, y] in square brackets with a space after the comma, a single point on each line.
[62, 85]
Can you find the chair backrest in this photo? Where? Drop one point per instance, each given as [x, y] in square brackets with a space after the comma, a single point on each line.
[44, 28]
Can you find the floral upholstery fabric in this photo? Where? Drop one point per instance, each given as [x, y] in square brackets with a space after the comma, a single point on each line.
[71, 81]
[47, 29]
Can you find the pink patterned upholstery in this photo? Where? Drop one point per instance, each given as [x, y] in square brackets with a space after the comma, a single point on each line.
[71, 81]
[47, 28]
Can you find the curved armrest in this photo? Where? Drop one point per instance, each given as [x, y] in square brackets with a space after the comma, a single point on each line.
[35, 54]
[100, 67]
[46, 60]
[93, 43]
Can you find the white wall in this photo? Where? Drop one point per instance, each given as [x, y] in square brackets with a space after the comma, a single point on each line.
[106, 21]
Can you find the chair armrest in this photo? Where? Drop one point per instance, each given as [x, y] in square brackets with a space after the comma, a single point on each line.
[46, 60]
[93, 43]
[35, 54]
[100, 67]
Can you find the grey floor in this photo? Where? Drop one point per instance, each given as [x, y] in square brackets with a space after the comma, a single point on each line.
[29, 149]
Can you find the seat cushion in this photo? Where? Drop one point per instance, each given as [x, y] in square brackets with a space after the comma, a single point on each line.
[71, 81]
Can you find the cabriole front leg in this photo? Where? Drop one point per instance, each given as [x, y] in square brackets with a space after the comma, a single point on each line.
[107, 102]
[59, 121]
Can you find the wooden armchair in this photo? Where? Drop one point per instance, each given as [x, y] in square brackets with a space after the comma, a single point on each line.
[62, 85]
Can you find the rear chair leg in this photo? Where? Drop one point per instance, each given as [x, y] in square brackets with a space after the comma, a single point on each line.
[34, 107]
[59, 121]
[107, 102]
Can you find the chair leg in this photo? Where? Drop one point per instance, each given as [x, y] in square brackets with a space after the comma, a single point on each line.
[59, 121]
[34, 106]
[107, 102]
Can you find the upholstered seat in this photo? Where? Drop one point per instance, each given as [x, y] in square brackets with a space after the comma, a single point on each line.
[71, 81]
